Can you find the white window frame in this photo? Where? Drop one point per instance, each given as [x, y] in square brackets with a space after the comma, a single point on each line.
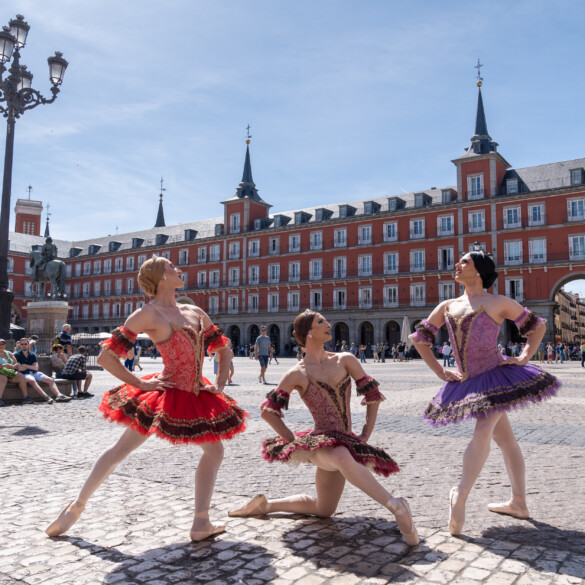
[273, 302]
[213, 305]
[511, 186]
[514, 287]
[538, 221]
[214, 279]
[293, 300]
[130, 286]
[475, 186]
[78, 269]
[97, 286]
[253, 248]
[390, 295]
[391, 269]
[201, 279]
[443, 231]
[254, 274]
[534, 256]
[470, 216]
[365, 265]
[365, 297]
[202, 254]
[183, 256]
[316, 269]
[294, 243]
[108, 266]
[392, 227]
[234, 250]
[253, 303]
[365, 234]
[417, 228]
[119, 264]
[233, 304]
[214, 253]
[512, 222]
[339, 304]
[415, 256]
[441, 265]
[105, 310]
[577, 252]
[86, 289]
[235, 225]
[294, 271]
[316, 240]
[316, 299]
[340, 238]
[129, 262]
[97, 267]
[128, 308]
[141, 260]
[580, 204]
[450, 285]
[339, 267]
[274, 245]
[511, 259]
[87, 268]
[273, 273]
[107, 288]
[418, 294]
[234, 276]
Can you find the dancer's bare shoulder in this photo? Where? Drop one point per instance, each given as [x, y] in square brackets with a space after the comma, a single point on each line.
[295, 379]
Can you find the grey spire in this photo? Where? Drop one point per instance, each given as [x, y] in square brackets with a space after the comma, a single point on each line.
[160, 218]
[481, 141]
[247, 187]
[47, 233]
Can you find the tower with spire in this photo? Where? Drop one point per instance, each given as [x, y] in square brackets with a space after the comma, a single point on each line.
[160, 217]
[481, 169]
[246, 210]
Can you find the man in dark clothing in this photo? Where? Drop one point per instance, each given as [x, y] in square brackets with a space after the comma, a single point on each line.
[76, 369]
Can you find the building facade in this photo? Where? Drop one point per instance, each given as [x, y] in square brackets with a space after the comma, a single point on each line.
[366, 264]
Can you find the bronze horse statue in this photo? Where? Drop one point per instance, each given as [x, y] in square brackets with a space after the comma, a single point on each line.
[48, 272]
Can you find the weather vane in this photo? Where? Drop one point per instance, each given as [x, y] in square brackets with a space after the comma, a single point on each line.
[248, 134]
[479, 77]
[161, 188]
[29, 190]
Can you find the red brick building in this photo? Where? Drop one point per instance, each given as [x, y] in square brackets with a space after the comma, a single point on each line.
[366, 264]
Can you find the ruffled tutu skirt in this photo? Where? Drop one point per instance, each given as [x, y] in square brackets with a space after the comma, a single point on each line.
[501, 388]
[299, 450]
[175, 415]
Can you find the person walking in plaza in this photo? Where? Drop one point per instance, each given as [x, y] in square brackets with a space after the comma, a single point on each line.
[272, 355]
[323, 380]
[446, 352]
[486, 384]
[262, 353]
[178, 405]
[9, 371]
[582, 348]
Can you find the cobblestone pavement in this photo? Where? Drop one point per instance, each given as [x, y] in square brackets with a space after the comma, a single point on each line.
[135, 529]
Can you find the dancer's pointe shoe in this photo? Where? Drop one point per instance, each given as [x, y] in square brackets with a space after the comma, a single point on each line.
[213, 529]
[510, 509]
[257, 506]
[455, 524]
[405, 522]
[66, 519]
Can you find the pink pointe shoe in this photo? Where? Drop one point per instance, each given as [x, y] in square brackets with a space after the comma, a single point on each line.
[257, 506]
[510, 509]
[211, 529]
[405, 522]
[66, 519]
[456, 521]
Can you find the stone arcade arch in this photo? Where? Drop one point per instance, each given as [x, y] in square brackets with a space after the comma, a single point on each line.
[253, 333]
[233, 334]
[274, 334]
[392, 333]
[341, 333]
[366, 334]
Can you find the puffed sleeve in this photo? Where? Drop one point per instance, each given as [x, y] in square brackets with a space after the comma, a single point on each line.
[369, 389]
[212, 336]
[528, 323]
[121, 342]
[424, 333]
[276, 401]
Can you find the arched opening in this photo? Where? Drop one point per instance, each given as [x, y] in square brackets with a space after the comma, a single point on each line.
[367, 336]
[185, 301]
[341, 334]
[291, 343]
[392, 333]
[569, 311]
[274, 334]
[233, 335]
[253, 333]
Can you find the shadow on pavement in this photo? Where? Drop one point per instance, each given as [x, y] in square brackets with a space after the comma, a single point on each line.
[25, 431]
[223, 561]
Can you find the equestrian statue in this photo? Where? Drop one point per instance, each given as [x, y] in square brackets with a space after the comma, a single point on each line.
[46, 268]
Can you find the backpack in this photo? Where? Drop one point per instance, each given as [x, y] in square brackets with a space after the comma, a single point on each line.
[56, 340]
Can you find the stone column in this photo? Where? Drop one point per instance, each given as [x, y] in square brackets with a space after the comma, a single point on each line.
[45, 319]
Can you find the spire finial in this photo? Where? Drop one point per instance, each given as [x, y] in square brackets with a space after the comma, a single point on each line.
[479, 77]
[161, 187]
[248, 136]
[47, 231]
[29, 190]
[160, 218]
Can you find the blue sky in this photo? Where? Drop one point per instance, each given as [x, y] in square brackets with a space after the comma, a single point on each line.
[346, 100]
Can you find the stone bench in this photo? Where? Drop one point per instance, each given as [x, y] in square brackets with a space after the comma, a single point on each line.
[12, 392]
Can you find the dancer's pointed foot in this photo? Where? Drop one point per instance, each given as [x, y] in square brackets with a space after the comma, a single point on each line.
[457, 501]
[405, 522]
[205, 531]
[257, 506]
[66, 519]
[511, 508]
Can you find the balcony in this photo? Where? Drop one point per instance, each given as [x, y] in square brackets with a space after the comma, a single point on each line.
[512, 260]
[445, 231]
[294, 248]
[576, 254]
[254, 280]
[364, 241]
[416, 234]
[417, 268]
[253, 253]
[337, 243]
[294, 277]
[364, 272]
[390, 269]
[273, 279]
[201, 259]
[214, 257]
[316, 246]
[537, 221]
[474, 194]
[234, 281]
[214, 284]
[274, 251]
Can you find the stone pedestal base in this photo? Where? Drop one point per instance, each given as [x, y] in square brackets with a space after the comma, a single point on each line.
[45, 319]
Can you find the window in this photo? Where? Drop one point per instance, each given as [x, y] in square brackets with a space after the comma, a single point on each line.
[97, 267]
[512, 186]
[108, 265]
[214, 278]
[339, 267]
[213, 305]
[475, 186]
[446, 195]
[78, 269]
[391, 296]
[253, 275]
[316, 297]
[365, 297]
[232, 304]
[417, 260]
[107, 287]
[512, 217]
[577, 247]
[390, 262]
[417, 294]
[85, 312]
[477, 221]
[86, 268]
[294, 243]
[446, 291]
[139, 304]
[234, 277]
[316, 241]
[202, 254]
[536, 214]
[119, 264]
[445, 225]
[391, 231]
[166, 254]
[515, 288]
[11, 285]
[274, 246]
[339, 298]
[537, 250]
[118, 286]
[95, 311]
[576, 209]
[513, 252]
[129, 286]
[129, 262]
[184, 277]
[128, 308]
[97, 285]
[116, 310]
[293, 301]
[76, 290]
[141, 260]
[27, 289]
[235, 223]
[340, 238]
[76, 312]
[273, 273]
[234, 250]
[417, 228]
[446, 259]
[106, 310]
[201, 279]
[214, 253]
[273, 303]
[576, 176]
[364, 235]
[254, 248]
[294, 271]
[365, 265]
[253, 304]
[86, 289]
[183, 256]
[28, 269]
[316, 269]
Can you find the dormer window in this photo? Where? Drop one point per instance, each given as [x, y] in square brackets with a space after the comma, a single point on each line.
[74, 252]
[346, 211]
[302, 217]
[422, 199]
[576, 176]
[447, 195]
[190, 235]
[218, 229]
[511, 186]
[321, 214]
[93, 249]
[113, 246]
[371, 207]
[137, 242]
[395, 203]
[281, 220]
[161, 239]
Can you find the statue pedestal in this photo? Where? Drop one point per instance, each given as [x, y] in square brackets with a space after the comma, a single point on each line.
[45, 319]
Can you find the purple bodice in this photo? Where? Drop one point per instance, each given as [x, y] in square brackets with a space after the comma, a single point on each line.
[475, 352]
[329, 405]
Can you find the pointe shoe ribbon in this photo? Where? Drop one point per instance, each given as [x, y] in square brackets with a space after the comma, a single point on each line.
[509, 509]
[455, 526]
[59, 526]
[406, 523]
[257, 506]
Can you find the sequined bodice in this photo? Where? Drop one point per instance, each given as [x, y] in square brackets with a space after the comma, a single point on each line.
[474, 342]
[182, 356]
[329, 405]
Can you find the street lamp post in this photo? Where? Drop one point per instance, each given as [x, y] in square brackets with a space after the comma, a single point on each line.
[16, 96]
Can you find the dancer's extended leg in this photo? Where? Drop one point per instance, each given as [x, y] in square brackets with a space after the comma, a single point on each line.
[204, 484]
[516, 468]
[102, 468]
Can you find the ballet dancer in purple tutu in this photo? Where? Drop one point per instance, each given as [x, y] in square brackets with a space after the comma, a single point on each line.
[486, 384]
